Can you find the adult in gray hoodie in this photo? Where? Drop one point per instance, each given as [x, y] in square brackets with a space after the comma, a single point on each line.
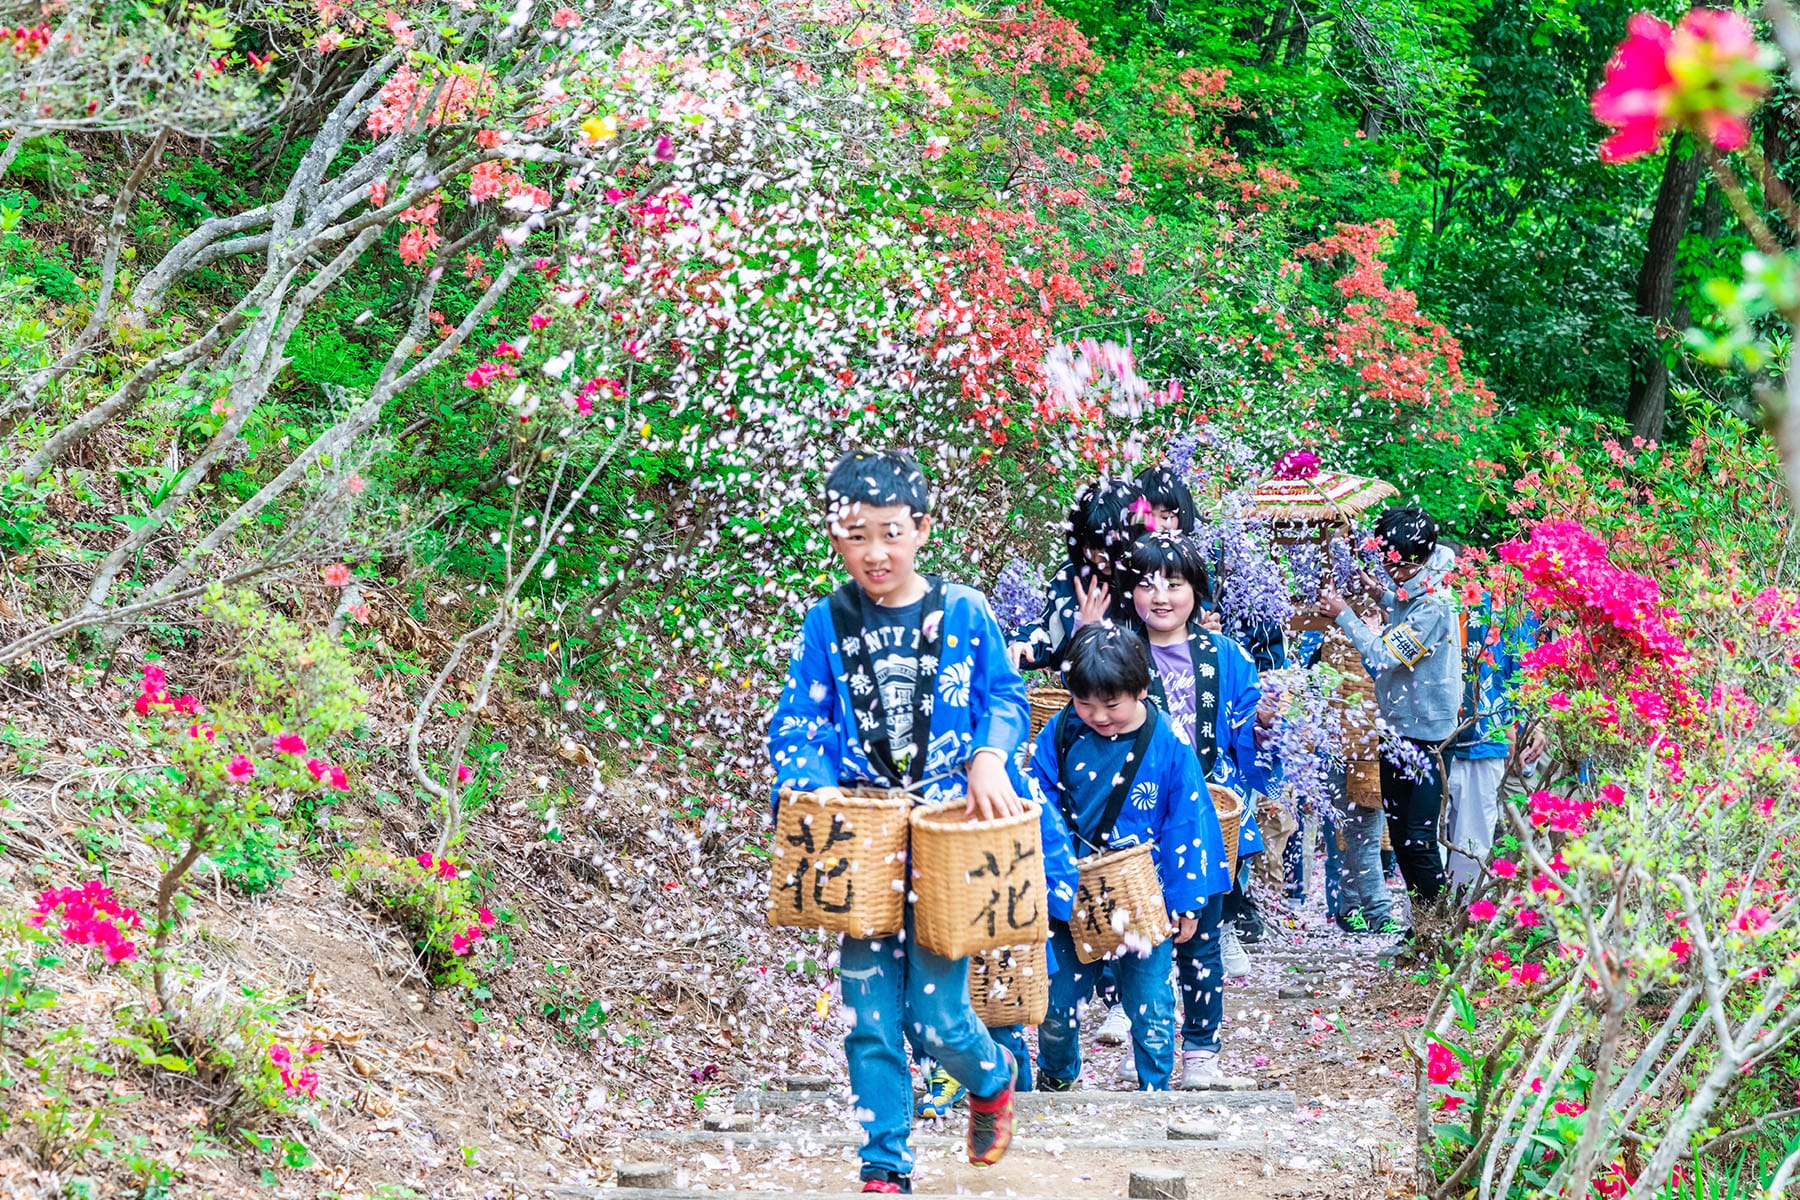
[1418, 684]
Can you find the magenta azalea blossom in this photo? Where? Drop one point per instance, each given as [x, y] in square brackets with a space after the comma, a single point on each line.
[289, 743]
[240, 769]
[1707, 75]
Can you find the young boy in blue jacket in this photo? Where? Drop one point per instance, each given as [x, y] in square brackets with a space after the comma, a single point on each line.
[901, 680]
[1122, 777]
[1207, 687]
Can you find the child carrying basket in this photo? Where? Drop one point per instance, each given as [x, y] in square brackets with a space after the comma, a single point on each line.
[1151, 853]
[900, 682]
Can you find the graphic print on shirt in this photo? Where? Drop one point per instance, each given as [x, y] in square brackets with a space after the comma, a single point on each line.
[894, 654]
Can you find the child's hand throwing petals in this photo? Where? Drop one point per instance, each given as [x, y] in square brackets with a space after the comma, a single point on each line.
[1093, 602]
[1015, 653]
[1186, 926]
[1332, 603]
[991, 793]
[1212, 622]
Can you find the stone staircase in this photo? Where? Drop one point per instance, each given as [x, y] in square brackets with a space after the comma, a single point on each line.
[798, 1136]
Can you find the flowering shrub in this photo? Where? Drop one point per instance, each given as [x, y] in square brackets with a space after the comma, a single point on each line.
[433, 900]
[233, 767]
[1624, 989]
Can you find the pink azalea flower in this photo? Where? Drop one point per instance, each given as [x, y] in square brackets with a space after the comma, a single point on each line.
[200, 732]
[281, 1056]
[1528, 973]
[484, 916]
[424, 860]
[1529, 918]
[1707, 74]
[1681, 948]
[336, 575]
[1441, 1064]
[1638, 90]
[1753, 919]
[240, 769]
[289, 743]
[665, 148]
[317, 769]
[464, 773]
[340, 782]
[1483, 910]
[1504, 868]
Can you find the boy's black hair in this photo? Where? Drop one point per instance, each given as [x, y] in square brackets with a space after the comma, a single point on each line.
[1164, 487]
[879, 479]
[1105, 661]
[1408, 531]
[1101, 519]
[1169, 555]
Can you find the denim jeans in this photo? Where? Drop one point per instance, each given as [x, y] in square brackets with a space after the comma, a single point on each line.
[1363, 882]
[1013, 1038]
[1143, 989]
[898, 991]
[1202, 980]
[1412, 811]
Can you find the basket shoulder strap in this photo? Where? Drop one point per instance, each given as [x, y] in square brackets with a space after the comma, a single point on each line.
[1068, 730]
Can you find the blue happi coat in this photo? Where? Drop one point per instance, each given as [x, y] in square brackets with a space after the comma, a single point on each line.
[978, 703]
[1047, 638]
[1236, 766]
[1167, 806]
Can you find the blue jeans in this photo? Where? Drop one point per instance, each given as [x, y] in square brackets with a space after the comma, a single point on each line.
[1202, 980]
[1013, 1038]
[1144, 990]
[1364, 883]
[898, 991]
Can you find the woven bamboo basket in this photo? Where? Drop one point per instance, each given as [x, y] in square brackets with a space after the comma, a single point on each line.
[1011, 985]
[1045, 704]
[1387, 843]
[1362, 782]
[1230, 807]
[1117, 896]
[840, 864]
[977, 885]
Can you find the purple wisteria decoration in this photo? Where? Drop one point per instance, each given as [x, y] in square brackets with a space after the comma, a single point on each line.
[1308, 741]
[1303, 565]
[1412, 762]
[1018, 595]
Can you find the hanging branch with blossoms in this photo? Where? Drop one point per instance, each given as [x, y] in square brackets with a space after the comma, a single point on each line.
[1708, 75]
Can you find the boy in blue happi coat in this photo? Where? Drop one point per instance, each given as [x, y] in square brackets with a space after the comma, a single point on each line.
[1122, 777]
[1206, 685]
[901, 680]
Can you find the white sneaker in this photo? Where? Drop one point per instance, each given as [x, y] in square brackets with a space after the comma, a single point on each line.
[1200, 1070]
[1128, 1068]
[1235, 960]
[1116, 1029]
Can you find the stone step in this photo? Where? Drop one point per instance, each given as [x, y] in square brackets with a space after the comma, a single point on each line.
[1023, 1144]
[753, 1100]
[611, 1193]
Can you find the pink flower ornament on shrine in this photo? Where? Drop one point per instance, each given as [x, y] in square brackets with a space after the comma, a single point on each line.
[1706, 75]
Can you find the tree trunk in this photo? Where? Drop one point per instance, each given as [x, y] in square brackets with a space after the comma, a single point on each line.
[1298, 38]
[1648, 399]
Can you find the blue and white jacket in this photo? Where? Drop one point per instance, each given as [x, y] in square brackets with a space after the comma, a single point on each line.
[1167, 806]
[978, 703]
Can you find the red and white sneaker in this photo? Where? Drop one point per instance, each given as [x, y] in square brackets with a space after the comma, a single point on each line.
[991, 1119]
